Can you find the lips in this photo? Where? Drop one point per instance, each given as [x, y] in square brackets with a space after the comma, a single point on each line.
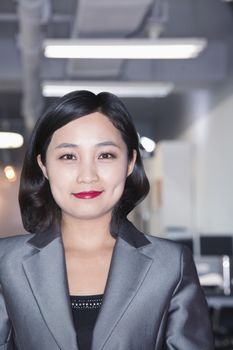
[87, 195]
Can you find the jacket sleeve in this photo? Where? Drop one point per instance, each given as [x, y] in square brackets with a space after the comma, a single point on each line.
[188, 324]
[6, 340]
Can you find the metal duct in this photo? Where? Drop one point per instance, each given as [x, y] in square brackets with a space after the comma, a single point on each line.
[31, 13]
[105, 19]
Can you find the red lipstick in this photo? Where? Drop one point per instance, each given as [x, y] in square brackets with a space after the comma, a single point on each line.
[87, 195]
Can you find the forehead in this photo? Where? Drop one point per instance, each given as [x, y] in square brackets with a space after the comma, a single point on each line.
[89, 129]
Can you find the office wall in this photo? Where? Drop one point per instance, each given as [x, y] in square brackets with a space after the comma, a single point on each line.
[211, 133]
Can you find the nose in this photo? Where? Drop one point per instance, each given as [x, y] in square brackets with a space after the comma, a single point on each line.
[87, 172]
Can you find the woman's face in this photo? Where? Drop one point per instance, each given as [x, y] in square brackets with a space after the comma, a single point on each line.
[86, 166]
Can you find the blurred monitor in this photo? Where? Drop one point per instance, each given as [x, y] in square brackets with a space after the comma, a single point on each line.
[210, 273]
[216, 245]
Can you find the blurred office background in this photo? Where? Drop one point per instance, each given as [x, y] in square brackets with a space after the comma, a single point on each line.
[180, 96]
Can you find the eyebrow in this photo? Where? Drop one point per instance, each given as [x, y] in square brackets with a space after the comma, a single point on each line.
[100, 144]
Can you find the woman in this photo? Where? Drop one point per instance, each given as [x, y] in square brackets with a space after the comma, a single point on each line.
[86, 278]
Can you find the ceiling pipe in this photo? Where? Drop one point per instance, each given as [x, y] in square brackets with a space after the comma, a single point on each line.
[32, 14]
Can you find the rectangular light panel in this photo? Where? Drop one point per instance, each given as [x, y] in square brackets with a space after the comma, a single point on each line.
[124, 48]
[121, 89]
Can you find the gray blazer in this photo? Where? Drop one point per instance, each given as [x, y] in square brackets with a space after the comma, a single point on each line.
[152, 300]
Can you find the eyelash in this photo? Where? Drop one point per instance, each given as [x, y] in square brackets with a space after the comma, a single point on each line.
[70, 156]
[67, 156]
[112, 156]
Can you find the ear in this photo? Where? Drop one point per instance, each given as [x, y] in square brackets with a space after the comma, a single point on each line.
[42, 166]
[132, 163]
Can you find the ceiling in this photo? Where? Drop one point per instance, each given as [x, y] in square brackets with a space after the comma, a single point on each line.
[24, 24]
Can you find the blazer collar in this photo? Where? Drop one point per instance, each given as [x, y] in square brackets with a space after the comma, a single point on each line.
[132, 235]
[126, 230]
[42, 239]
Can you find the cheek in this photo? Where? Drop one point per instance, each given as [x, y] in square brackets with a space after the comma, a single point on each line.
[59, 182]
[115, 175]
[58, 174]
[117, 181]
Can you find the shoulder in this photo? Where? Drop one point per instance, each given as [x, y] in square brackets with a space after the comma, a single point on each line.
[164, 243]
[170, 254]
[139, 239]
[168, 248]
[174, 260]
[11, 240]
[152, 245]
[13, 245]
[173, 256]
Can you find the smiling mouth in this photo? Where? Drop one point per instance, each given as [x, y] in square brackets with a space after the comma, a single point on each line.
[87, 195]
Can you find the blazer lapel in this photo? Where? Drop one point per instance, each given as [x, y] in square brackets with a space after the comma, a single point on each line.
[128, 269]
[46, 274]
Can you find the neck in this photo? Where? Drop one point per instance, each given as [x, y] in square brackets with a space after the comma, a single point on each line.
[86, 235]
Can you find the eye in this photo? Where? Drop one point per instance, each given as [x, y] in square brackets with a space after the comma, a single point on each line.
[107, 156]
[68, 156]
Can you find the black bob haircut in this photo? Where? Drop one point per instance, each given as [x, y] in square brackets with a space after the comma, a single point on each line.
[39, 210]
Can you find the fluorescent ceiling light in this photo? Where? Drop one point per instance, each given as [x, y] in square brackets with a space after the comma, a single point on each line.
[121, 89]
[124, 49]
[10, 140]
